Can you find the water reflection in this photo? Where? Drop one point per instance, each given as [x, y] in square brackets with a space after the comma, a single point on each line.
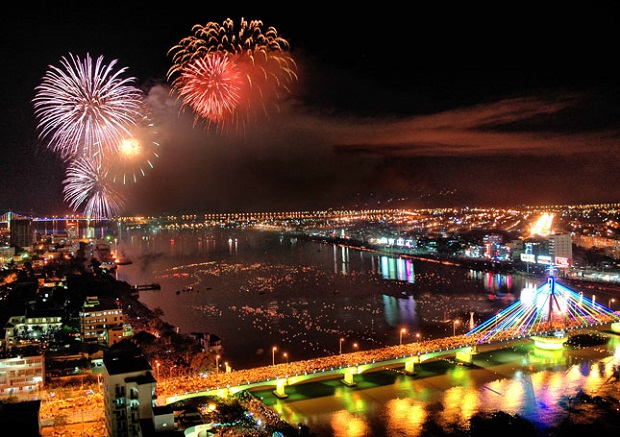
[395, 268]
[400, 311]
[533, 384]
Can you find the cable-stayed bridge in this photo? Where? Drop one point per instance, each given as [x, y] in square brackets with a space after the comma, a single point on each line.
[546, 315]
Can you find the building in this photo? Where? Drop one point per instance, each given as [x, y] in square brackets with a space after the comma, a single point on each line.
[561, 249]
[22, 373]
[129, 398]
[6, 254]
[35, 325]
[22, 418]
[102, 321]
[21, 232]
[209, 342]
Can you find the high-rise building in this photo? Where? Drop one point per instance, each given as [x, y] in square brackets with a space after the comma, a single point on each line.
[129, 396]
[561, 249]
[21, 232]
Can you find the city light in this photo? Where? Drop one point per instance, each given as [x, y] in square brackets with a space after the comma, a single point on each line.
[402, 331]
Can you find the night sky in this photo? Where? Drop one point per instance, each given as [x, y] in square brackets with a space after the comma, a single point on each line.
[416, 107]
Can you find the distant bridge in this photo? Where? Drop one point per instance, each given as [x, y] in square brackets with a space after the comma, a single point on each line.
[545, 315]
[10, 215]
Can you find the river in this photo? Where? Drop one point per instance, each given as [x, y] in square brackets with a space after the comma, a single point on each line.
[257, 290]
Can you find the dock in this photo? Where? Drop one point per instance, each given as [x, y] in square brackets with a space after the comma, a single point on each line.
[144, 287]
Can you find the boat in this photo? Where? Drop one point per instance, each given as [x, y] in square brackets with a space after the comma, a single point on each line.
[122, 261]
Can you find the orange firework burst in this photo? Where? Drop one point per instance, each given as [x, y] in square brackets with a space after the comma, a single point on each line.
[224, 74]
[136, 154]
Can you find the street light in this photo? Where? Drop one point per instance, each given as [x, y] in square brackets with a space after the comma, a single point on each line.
[417, 336]
[402, 331]
[157, 364]
[273, 356]
[341, 340]
[285, 357]
[355, 346]
[456, 322]
[612, 300]
[217, 364]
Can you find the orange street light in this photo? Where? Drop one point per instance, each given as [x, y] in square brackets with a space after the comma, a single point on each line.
[341, 340]
[273, 356]
[355, 346]
[402, 331]
[456, 322]
[217, 364]
[285, 357]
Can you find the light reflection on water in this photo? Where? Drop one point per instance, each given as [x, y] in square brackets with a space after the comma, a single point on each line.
[304, 296]
[535, 385]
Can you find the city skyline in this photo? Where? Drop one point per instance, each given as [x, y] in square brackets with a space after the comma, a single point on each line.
[390, 110]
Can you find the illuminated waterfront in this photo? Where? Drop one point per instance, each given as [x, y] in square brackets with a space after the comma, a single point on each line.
[303, 297]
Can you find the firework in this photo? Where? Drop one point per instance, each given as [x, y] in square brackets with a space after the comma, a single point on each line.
[212, 86]
[223, 73]
[136, 155]
[86, 186]
[85, 108]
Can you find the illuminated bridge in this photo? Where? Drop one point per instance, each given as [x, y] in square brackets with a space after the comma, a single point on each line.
[6, 218]
[545, 315]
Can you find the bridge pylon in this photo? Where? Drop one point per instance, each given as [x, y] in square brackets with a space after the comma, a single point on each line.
[280, 391]
[348, 377]
[466, 355]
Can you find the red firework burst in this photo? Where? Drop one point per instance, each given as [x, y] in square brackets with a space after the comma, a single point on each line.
[212, 86]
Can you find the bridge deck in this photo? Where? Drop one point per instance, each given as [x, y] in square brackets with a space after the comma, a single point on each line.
[331, 366]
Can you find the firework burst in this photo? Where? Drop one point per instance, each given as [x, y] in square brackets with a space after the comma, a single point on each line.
[85, 108]
[85, 186]
[137, 154]
[224, 73]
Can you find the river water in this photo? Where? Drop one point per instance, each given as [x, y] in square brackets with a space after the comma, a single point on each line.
[258, 290]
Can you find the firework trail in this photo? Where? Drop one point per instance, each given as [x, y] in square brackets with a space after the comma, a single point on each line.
[225, 75]
[136, 155]
[85, 108]
[85, 186]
